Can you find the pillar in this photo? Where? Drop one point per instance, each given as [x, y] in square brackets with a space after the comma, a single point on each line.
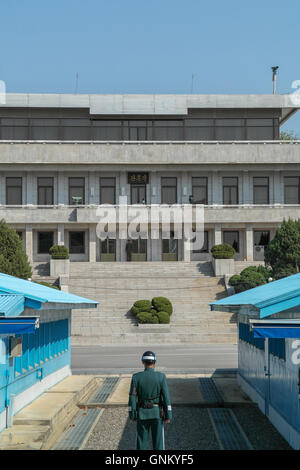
[218, 234]
[60, 234]
[28, 242]
[92, 244]
[249, 243]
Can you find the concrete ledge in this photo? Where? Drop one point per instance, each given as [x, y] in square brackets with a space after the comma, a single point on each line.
[38, 425]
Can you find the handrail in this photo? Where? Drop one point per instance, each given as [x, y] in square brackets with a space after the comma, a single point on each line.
[154, 142]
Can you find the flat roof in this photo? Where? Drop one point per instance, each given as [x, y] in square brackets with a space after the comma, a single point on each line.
[268, 299]
[36, 294]
[151, 104]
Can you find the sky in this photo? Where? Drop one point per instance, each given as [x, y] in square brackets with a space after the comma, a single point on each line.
[150, 46]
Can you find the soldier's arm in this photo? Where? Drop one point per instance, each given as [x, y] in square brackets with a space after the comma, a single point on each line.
[132, 400]
[166, 399]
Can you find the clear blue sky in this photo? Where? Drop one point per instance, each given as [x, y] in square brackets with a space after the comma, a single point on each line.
[153, 46]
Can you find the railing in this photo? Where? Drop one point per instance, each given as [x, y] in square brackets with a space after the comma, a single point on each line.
[155, 142]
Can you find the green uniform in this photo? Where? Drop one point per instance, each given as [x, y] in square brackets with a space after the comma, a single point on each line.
[149, 403]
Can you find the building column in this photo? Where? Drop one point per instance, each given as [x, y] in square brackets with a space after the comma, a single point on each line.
[249, 243]
[218, 234]
[92, 244]
[186, 250]
[60, 234]
[29, 243]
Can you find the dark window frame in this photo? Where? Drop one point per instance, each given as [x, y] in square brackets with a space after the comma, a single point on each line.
[261, 186]
[39, 186]
[163, 186]
[200, 186]
[71, 249]
[41, 232]
[72, 203]
[238, 239]
[14, 187]
[227, 186]
[291, 186]
[101, 187]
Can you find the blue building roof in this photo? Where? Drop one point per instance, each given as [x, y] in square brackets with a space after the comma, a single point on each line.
[36, 294]
[268, 299]
[11, 304]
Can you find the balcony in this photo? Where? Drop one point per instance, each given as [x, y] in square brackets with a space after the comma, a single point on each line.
[149, 153]
[213, 214]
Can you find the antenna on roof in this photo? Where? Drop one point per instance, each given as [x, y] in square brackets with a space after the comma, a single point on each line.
[274, 69]
[76, 83]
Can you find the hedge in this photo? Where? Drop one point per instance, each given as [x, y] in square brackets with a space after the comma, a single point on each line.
[59, 252]
[146, 317]
[223, 251]
[163, 317]
[162, 304]
[141, 306]
[250, 277]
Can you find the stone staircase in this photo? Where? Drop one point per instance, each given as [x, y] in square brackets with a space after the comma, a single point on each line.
[116, 286]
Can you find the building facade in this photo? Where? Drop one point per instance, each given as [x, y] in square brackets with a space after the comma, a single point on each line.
[64, 155]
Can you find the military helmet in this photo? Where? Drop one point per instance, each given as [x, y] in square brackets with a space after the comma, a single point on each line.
[149, 356]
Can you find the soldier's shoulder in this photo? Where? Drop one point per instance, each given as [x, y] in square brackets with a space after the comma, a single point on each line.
[161, 374]
[137, 375]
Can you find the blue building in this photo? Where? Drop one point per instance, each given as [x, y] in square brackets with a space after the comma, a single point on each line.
[35, 347]
[269, 350]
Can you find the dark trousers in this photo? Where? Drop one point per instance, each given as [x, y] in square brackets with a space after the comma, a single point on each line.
[156, 427]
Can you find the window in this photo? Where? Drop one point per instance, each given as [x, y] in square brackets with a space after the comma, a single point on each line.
[292, 190]
[168, 130]
[45, 191]
[261, 190]
[169, 190]
[261, 238]
[76, 191]
[45, 241]
[14, 191]
[77, 242]
[199, 190]
[230, 191]
[204, 249]
[107, 190]
[232, 238]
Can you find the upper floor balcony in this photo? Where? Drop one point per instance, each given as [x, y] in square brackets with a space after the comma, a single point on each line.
[149, 153]
[272, 214]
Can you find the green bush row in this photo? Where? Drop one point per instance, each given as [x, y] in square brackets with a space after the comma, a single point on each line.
[250, 277]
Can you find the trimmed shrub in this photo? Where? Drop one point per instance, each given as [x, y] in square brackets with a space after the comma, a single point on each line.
[247, 280]
[162, 304]
[223, 251]
[163, 317]
[59, 252]
[234, 280]
[147, 317]
[43, 283]
[13, 259]
[284, 272]
[141, 306]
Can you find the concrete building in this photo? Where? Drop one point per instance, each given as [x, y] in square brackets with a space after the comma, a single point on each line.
[35, 348]
[63, 155]
[269, 350]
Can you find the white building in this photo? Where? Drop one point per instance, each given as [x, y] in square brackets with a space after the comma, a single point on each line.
[63, 155]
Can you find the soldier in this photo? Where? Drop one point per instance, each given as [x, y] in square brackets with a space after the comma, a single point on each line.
[149, 404]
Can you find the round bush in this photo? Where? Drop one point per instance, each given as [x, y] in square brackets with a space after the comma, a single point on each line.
[163, 317]
[234, 280]
[162, 304]
[59, 252]
[141, 306]
[146, 317]
[223, 251]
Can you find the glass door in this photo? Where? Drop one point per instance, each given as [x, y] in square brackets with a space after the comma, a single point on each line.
[138, 194]
[139, 250]
[170, 248]
[108, 249]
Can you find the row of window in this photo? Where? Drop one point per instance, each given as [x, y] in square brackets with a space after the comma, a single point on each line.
[49, 341]
[276, 345]
[45, 190]
[176, 129]
[77, 242]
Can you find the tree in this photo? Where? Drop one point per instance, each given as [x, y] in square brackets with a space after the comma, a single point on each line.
[283, 252]
[13, 259]
[288, 135]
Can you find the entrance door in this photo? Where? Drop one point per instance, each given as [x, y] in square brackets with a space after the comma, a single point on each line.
[108, 249]
[139, 250]
[170, 248]
[138, 194]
